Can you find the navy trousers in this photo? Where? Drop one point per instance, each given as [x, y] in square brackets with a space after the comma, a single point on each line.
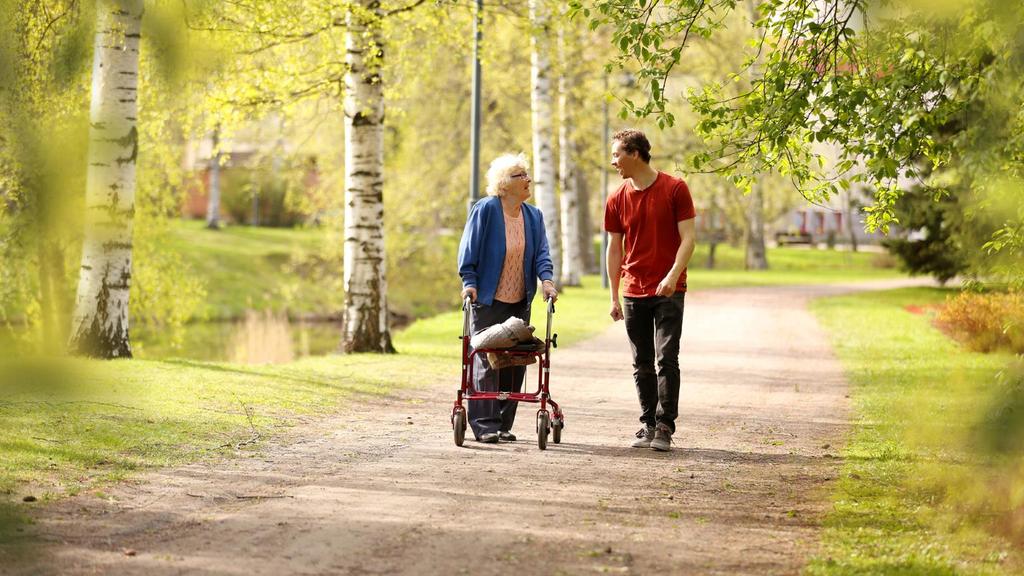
[486, 416]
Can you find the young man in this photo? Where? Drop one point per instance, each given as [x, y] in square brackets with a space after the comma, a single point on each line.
[650, 220]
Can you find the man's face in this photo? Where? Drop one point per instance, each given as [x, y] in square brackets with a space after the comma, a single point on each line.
[624, 162]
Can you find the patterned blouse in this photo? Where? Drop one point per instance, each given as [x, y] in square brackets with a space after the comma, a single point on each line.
[511, 285]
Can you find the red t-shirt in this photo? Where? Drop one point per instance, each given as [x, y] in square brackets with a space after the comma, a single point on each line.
[649, 223]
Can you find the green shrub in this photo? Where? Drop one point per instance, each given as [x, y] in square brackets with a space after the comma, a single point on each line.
[985, 322]
[241, 186]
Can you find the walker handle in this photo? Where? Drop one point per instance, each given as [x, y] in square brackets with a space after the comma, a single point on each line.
[466, 309]
[551, 312]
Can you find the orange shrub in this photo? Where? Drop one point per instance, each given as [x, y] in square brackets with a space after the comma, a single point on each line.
[985, 322]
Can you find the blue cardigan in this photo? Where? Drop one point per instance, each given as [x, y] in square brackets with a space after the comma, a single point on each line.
[482, 250]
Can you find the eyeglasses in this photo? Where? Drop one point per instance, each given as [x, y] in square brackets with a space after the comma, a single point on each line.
[520, 176]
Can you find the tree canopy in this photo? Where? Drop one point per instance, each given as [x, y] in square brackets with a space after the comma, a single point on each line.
[849, 93]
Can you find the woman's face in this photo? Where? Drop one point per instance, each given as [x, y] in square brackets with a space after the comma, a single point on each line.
[518, 187]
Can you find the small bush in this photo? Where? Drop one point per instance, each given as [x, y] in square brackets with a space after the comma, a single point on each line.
[985, 322]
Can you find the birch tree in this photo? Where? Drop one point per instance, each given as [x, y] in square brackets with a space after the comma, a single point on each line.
[572, 264]
[757, 256]
[585, 233]
[213, 205]
[100, 319]
[541, 105]
[366, 307]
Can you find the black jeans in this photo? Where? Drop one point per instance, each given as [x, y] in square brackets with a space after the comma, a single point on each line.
[487, 416]
[654, 326]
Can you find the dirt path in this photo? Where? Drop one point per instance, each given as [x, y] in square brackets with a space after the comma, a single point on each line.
[383, 490]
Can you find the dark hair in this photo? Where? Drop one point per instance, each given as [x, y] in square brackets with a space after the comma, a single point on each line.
[634, 141]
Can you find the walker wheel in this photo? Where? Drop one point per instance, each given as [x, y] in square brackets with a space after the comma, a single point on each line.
[459, 425]
[543, 427]
[556, 432]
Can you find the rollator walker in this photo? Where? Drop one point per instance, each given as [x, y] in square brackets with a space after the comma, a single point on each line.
[547, 422]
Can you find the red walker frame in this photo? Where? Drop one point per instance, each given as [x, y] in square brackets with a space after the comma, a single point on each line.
[552, 422]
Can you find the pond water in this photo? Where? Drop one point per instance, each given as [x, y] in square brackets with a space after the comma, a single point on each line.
[260, 338]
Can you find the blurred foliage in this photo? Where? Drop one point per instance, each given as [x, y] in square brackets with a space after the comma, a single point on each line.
[1005, 427]
[922, 489]
[985, 322]
[998, 494]
[44, 103]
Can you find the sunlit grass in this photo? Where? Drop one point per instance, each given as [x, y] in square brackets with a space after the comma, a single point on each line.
[67, 426]
[787, 265]
[125, 415]
[245, 267]
[918, 397]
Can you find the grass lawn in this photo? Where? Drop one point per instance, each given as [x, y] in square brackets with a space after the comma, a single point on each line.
[70, 426]
[789, 265]
[244, 267]
[912, 470]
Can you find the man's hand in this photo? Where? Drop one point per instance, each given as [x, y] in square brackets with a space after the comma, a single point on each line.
[616, 312]
[469, 291]
[549, 290]
[667, 286]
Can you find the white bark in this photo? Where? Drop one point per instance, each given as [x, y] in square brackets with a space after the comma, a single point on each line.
[366, 310]
[213, 206]
[572, 264]
[585, 238]
[100, 321]
[757, 258]
[541, 104]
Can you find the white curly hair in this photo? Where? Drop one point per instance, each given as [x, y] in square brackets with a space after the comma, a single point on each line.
[502, 167]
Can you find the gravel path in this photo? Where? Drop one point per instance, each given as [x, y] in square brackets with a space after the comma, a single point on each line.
[383, 489]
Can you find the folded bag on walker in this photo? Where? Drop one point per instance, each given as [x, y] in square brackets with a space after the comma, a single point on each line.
[505, 335]
[498, 360]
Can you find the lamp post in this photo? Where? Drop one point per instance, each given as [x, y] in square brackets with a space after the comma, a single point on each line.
[474, 137]
[604, 191]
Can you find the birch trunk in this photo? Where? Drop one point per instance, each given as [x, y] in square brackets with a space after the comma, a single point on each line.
[366, 310]
[850, 211]
[213, 206]
[541, 104]
[100, 321]
[757, 258]
[585, 238]
[572, 267]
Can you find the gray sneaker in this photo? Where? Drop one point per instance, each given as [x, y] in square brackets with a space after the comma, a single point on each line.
[662, 441]
[643, 438]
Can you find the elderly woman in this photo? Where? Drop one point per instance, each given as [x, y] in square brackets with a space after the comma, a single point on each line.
[504, 251]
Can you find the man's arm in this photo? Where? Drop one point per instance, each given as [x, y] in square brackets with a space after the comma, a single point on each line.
[688, 240]
[614, 260]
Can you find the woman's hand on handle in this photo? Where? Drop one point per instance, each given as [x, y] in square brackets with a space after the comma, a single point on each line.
[549, 290]
[469, 292]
